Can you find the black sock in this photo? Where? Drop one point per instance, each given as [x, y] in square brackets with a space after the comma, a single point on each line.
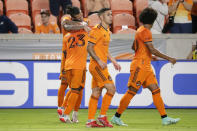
[117, 115]
[164, 116]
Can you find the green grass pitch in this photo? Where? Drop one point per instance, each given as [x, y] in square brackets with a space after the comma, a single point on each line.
[137, 119]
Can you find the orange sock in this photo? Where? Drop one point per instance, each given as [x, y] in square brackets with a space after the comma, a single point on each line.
[124, 102]
[106, 103]
[77, 106]
[158, 102]
[65, 102]
[61, 93]
[93, 102]
[72, 99]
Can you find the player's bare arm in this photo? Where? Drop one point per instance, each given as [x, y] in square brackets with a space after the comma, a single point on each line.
[115, 63]
[92, 53]
[73, 25]
[159, 54]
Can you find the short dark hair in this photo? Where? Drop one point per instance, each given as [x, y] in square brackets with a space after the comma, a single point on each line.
[72, 11]
[148, 16]
[45, 11]
[101, 11]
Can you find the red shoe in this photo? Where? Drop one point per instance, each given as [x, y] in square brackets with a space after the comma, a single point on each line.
[93, 124]
[60, 112]
[104, 121]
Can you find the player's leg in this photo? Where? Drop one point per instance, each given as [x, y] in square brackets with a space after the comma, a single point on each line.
[124, 102]
[76, 108]
[104, 81]
[64, 104]
[106, 101]
[97, 85]
[92, 107]
[157, 100]
[61, 94]
[75, 91]
[134, 83]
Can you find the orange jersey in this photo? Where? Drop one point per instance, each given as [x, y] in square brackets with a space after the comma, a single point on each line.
[64, 32]
[75, 48]
[51, 28]
[100, 37]
[142, 53]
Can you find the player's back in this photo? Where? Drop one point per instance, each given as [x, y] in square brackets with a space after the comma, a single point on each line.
[76, 50]
[142, 37]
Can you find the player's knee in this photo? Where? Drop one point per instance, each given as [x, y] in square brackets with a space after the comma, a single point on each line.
[111, 91]
[155, 91]
[96, 92]
[77, 90]
[132, 90]
[153, 87]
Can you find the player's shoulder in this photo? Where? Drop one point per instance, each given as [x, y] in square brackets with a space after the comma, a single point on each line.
[143, 30]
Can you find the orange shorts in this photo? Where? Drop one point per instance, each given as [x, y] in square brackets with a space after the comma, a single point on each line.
[100, 77]
[140, 76]
[75, 78]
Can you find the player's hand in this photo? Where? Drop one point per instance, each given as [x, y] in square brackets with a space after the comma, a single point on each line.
[102, 64]
[117, 66]
[61, 74]
[172, 60]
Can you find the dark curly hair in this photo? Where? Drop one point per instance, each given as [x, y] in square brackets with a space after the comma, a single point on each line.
[72, 10]
[148, 16]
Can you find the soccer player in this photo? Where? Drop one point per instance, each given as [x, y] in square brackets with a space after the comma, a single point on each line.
[141, 72]
[73, 65]
[99, 39]
[70, 23]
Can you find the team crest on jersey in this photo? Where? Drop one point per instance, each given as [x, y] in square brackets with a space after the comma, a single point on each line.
[138, 83]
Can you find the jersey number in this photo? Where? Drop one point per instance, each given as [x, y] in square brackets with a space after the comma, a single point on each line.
[73, 39]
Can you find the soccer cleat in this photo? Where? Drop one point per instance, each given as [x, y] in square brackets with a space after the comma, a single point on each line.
[118, 121]
[60, 112]
[93, 124]
[65, 119]
[104, 121]
[169, 121]
[75, 117]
